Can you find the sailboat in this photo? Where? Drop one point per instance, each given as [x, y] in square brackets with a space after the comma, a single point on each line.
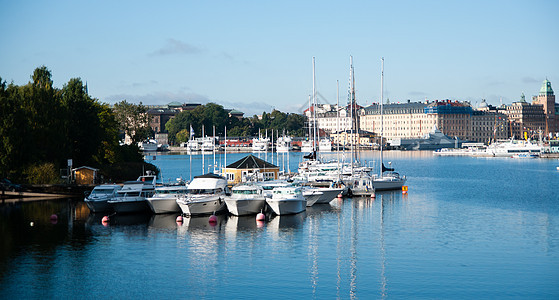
[387, 178]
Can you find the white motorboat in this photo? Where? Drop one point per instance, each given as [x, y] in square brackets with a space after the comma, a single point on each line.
[328, 194]
[208, 144]
[246, 199]
[287, 200]
[165, 199]
[148, 146]
[307, 147]
[132, 197]
[361, 184]
[194, 145]
[312, 195]
[283, 144]
[97, 200]
[260, 144]
[324, 145]
[206, 194]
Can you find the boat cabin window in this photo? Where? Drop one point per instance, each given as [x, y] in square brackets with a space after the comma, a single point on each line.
[101, 192]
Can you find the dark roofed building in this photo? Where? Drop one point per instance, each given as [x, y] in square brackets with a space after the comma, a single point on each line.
[250, 168]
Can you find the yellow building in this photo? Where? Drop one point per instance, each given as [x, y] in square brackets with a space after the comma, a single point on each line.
[250, 168]
[85, 175]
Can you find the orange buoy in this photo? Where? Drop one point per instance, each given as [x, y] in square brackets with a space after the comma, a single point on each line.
[404, 189]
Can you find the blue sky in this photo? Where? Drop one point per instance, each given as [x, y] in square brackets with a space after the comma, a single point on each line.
[257, 55]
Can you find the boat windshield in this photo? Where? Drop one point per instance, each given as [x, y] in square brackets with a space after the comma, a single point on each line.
[101, 192]
[206, 191]
[244, 192]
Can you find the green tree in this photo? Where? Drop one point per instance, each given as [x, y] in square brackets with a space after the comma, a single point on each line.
[133, 120]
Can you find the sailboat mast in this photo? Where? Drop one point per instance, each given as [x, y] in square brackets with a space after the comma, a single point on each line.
[203, 166]
[314, 105]
[381, 112]
[351, 109]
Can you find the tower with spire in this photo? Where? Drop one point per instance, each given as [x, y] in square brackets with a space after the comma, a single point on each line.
[546, 97]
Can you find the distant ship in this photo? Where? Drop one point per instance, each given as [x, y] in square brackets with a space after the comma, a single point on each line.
[431, 141]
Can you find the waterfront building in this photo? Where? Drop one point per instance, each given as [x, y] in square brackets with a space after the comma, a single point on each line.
[250, 168]
[546, 98]
[327, 117]
[525, 119]
[400, 120]
[158, 117]
[488, 126]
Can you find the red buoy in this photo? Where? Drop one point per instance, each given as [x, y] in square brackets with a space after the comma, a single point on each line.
[53, 217]
[340, 195]
[260, 217]
[179, 219]
[213, 219]
[105, 219]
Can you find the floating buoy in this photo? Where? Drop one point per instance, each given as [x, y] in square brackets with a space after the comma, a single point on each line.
[105, 219]
[31, 224]
[213, 219]
[260, 224]
[260, 217]
[53, 217]
[404, 189]
[179, 219]
[340, 195]
[373, 195]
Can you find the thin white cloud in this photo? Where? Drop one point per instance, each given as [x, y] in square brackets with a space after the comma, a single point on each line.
[173, 46]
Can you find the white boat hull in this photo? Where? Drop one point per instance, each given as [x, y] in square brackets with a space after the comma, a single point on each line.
[98, 205]
[201, 206]
[242, 207]
[384, 183]
[287, 206]
[328, 194]
[163, 205]
[130, 205]
[312, 197]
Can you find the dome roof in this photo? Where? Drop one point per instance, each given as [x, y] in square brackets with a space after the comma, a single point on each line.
[483, 104]
[546, 88]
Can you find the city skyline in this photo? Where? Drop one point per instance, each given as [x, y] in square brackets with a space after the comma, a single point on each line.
[258, 56]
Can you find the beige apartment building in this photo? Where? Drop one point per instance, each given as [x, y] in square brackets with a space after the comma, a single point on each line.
[525, 119]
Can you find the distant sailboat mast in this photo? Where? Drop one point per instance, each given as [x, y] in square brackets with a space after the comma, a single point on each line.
[314, 106]
[381, 113]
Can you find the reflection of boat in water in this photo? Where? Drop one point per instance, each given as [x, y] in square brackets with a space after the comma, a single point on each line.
[287, 221]
[163, 221]
[199, 224]
[236, 224]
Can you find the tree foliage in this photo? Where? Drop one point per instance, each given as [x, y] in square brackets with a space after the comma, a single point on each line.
[133, 120]
[42, 126]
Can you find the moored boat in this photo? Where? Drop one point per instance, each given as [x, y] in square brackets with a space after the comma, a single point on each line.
[287, 200]
[132, 197]
[246, 199]
[206, 194]
[165, 199]
[97, 200]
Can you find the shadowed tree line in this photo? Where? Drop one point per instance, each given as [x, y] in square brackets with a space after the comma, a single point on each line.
[212, 114]
[42, 127]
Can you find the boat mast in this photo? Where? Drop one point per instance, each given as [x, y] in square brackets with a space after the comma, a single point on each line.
[203, 166]
[351, 109]
[314, 106]
[381, 112]
[338, 126]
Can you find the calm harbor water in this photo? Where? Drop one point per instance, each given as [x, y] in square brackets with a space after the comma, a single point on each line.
[469, 228]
